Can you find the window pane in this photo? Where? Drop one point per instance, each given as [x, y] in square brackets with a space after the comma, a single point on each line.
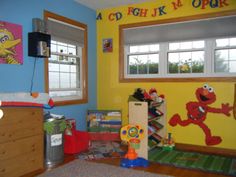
[232, 54]
[221, 55]
[174, 46]
[71, 60]
[185, 67]
[143, 64]
[232, 67]
[232, 41]
[154, 48]
[73, 80]
[222, 42]
[64, 68]
[53, 58]
[53, 80]
[153, 61]
[173, 57]
[132, 63]
[186, 62]
[225, 60]
[72, 51]
[185, 45]
[53, 67]
[153, 58]
[221, 67]
[64, 80]
[143, 48]
[53, 48]
[185, 57]
[198, 44]
[133, 49]
[173, 62]
[142, 69]
[198, 62]
[73, 68]
[62, 49]
[226, 42]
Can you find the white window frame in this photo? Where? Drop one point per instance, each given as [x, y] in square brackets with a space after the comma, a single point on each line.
[79, 83]
[209, 49]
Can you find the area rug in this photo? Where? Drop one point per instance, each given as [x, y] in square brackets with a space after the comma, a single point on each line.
[192, 160]
[102, 149]
[83, 168]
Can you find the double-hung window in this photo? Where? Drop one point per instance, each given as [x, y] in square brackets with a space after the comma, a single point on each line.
[67, 66]
[64, 68]
[189, 50]
[143, 59]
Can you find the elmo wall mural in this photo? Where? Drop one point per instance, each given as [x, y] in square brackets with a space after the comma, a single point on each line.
[197, 113]
[11, 51]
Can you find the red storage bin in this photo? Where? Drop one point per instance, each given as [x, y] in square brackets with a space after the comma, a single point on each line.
[104, 136]
[75, 141]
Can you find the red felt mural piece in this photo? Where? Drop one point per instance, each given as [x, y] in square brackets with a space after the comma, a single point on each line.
[197, 113]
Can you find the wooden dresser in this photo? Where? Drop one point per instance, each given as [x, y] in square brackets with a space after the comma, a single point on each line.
[21, 141]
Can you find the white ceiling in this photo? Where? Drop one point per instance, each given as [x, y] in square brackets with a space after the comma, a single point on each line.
[101, 4]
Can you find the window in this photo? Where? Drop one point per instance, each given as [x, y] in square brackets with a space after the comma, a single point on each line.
[201, 50]
[186, 57]
[143, 59]
[225, 55]
[66, 69]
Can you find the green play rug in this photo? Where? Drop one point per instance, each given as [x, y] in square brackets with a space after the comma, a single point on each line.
[192, 160]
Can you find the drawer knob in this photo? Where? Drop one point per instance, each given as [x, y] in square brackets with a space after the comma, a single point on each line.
[1, 113]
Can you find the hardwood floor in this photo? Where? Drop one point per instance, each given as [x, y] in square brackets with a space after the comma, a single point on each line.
[153, 168]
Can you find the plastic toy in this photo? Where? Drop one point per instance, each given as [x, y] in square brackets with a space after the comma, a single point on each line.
[132, 134]
[168, 143]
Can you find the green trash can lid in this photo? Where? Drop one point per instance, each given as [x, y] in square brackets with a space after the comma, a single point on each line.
[48, 117]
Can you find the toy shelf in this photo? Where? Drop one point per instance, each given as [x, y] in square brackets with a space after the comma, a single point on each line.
[153, 121]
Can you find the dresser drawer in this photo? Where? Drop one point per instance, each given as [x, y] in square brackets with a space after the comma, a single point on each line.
[21, 165]
[11, 149]
[18, 123]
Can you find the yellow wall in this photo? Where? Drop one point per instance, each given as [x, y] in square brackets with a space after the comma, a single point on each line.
[114, 95]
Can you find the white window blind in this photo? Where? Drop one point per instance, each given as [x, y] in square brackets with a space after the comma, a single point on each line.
[65, 32]
[188, 30]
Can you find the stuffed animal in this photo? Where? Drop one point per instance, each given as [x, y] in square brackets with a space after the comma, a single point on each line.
[141, 95]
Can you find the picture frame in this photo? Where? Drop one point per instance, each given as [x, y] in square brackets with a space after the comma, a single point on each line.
[107, 45]
[11, 43]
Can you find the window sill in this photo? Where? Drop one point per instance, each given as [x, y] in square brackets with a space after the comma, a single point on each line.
[70, 102]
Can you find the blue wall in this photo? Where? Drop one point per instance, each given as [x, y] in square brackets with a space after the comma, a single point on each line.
[17, 78]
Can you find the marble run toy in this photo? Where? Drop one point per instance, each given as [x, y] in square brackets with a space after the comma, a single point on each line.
[132, 134]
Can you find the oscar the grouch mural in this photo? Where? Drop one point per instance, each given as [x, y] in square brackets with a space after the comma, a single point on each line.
[197, 113]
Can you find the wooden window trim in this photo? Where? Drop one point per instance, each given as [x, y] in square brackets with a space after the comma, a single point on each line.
[122, 78]
[84, 99]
